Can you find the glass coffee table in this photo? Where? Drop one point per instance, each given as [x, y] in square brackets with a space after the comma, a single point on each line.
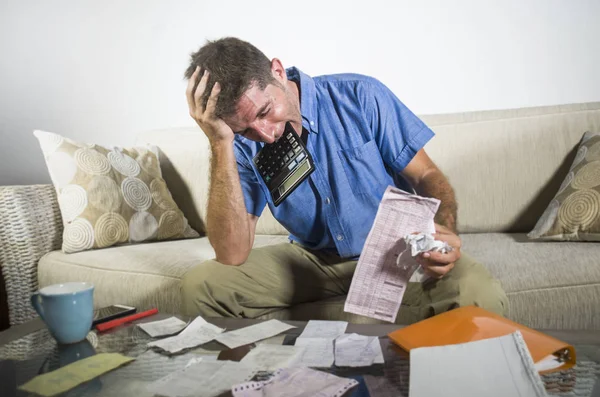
[28, 350]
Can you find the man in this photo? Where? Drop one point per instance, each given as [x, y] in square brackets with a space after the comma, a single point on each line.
[359, 135]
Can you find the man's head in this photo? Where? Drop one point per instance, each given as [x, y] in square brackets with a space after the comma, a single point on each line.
[256, 98]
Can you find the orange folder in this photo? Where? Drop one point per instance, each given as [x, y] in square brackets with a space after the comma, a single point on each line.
[471, 323]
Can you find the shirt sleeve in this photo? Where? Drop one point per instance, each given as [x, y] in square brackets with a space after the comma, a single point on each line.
[398, 132]
[254, 196]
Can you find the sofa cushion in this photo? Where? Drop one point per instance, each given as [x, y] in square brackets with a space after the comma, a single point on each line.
[110, 196]
[549, 285]
[574, 213]
[141, 275]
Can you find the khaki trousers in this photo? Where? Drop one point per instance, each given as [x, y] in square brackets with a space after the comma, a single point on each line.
[278, 276]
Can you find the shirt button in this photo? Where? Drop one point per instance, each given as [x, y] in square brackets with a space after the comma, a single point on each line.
[340, 237]
[312, 123]
[327, 201]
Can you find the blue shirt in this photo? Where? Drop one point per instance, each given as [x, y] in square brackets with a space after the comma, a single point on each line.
[360, 135]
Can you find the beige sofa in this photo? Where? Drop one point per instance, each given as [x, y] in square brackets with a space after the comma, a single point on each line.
[505, 166]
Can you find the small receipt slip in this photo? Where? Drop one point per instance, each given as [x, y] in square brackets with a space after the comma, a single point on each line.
[197, 333]
[202, 379]
[253, 333]
[381, 275]
[168, 326]
[324, 329]
[296, 382]
[353, 350]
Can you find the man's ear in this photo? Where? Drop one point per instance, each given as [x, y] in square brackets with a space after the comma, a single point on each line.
[278, 70]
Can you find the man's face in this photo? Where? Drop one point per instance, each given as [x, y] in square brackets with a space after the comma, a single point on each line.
[262, 114]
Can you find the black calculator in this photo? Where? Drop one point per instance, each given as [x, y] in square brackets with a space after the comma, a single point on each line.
[284, 164]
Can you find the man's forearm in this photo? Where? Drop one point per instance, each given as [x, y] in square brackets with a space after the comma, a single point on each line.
[436, 185]
[227, 221]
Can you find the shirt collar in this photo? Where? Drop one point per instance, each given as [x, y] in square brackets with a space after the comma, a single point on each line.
[308, 98]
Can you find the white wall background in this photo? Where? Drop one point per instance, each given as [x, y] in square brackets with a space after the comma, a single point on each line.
[101, 71]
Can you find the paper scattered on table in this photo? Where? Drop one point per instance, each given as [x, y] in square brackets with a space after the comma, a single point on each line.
[271, 357]
[378, 284]
[69, 376]
[168, 326]
[324, 329]
[253, 333]
[202, 379]
[318, 352]
[353, 350]
[197, 333]
[294, 382]
[495, 367]
[424, 242]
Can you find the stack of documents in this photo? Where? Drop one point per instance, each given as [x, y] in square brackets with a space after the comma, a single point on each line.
[496, 367]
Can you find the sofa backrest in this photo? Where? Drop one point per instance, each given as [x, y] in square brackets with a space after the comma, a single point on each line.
[505, 165]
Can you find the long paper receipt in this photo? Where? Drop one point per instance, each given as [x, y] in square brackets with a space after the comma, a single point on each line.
[74, 374]
[379, 282]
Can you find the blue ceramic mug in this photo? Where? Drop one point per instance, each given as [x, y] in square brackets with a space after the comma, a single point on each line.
[67, 309]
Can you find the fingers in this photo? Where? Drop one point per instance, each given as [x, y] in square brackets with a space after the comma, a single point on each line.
[211, 105]
[189, 91]
[439, 258]
[200, 90]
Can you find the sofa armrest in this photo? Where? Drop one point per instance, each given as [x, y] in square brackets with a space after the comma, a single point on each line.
[30, 227]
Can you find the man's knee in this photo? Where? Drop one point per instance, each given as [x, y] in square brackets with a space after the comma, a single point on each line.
[477, 287]
[198, 286]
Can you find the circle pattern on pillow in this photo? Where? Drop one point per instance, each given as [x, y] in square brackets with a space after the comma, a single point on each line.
[587, 176]
[136, 194]
[110, 195]
[142, 226]
[580, 210]
[161, 195]
[104, 194]
[170, 225]
[62, 168]
[72, 201]
[111, 228]
[78, 236]
[91, 161]
[124, 164]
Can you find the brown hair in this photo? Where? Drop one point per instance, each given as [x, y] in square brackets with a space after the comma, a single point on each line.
[236, 65]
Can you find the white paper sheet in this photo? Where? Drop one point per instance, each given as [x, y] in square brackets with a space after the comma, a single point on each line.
[424, 242]
[318, 352]
[197, 333]
[253, 333]
[203, 379]
[379, 284]
[353, 350]
[272, 357]
[324, 329]
[168, 326]
[496, 367]
[294, 382]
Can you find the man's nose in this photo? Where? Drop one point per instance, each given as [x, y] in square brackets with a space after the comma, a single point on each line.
[265, 130]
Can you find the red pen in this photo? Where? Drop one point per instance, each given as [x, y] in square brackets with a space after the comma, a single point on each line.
[115, 323]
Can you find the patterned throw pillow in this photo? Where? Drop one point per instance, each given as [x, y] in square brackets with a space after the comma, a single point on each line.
[574, 214]
[110, 197]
